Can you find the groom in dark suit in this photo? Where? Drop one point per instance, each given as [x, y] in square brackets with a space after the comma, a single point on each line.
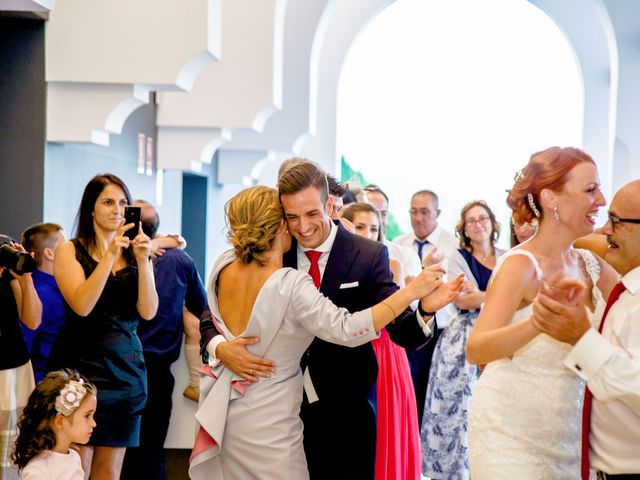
[339, 422]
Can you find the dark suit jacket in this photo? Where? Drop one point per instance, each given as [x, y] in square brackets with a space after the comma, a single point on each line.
[354, 259]
[341, 425]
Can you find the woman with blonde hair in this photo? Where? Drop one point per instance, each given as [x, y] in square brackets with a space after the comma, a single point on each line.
[254, 430]
[525, 417]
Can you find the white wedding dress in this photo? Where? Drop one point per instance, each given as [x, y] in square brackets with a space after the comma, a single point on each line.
[525, 418]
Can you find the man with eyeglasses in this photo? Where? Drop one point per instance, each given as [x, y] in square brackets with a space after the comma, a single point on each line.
[408, 260]
[433, 244]
[427, 238]
[608, 359]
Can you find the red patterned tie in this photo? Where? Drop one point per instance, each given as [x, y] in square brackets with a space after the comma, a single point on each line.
[314, 269]
[586, 410]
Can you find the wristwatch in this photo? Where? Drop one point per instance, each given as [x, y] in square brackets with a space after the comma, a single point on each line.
[423, 312]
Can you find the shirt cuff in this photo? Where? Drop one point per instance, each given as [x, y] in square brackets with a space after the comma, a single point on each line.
[589, 354]
[427, 326]
[211, 349]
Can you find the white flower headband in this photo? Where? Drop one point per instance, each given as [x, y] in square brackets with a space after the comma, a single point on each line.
[70, 397]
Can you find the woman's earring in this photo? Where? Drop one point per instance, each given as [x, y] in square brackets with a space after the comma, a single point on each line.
[556, 214]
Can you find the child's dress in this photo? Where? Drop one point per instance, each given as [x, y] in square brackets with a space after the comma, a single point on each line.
[50, 465]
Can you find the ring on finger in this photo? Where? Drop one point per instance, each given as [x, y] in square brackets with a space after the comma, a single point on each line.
[251, 371]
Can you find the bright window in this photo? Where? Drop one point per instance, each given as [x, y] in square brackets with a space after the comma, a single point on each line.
[454, 96]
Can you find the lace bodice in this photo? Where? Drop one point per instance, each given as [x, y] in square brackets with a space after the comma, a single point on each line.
[544, 346]
[525, 418]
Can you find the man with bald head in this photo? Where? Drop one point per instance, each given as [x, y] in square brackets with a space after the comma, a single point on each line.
[608, 359]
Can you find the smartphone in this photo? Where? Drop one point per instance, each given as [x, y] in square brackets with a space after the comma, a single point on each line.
[132, 215]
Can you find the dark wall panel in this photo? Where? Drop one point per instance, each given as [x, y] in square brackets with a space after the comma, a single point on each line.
[22, 123]
[194, 218]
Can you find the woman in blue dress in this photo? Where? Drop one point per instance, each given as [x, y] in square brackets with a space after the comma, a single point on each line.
[451, 378]
[106, 280]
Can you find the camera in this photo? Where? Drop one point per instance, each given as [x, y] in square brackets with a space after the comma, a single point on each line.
[19, 262]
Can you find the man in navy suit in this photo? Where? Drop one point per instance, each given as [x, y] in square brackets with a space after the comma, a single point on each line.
[339, 422]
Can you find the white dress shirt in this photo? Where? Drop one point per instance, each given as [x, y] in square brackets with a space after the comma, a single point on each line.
[325, 248]
[610, 364]
[444, 241]
[447, 246]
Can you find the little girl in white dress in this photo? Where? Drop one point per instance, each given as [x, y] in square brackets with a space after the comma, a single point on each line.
[59, 413]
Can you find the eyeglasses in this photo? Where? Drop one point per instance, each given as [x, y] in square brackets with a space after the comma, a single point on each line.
[615, 220]
[481, 219]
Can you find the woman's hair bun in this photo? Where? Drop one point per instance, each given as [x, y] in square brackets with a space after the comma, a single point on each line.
[254, 217]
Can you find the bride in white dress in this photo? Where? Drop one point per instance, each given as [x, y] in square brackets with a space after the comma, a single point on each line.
[525, 416]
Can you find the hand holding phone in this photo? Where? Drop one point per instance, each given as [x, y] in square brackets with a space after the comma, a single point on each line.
[132, 215]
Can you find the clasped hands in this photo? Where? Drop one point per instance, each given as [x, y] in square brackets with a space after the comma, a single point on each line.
[560, 310]
[434, 293]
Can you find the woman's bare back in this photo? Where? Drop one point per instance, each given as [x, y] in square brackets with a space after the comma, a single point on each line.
[238, 287]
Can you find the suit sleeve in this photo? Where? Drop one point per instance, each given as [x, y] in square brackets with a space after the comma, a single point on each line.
[405, 330]
[207, 331]
[196, 297]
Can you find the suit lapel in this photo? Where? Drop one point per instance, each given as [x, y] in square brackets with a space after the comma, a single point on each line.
[342, 254]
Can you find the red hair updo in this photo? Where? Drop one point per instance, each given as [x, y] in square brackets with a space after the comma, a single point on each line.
[546, 169]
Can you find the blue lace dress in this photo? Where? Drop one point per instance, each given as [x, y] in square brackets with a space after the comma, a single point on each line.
[444, 424]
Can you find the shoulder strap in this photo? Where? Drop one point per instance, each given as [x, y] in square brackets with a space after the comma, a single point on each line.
[591, 264]
[83, 257]
[519, 251]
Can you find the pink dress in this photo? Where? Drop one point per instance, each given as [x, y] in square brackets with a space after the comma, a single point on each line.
[398, 439]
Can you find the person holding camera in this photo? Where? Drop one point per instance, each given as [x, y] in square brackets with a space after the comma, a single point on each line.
[41, 240]
[18, 302]
[106, 279]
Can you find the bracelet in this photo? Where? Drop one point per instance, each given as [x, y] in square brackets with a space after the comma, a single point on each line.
[423, 312]
[390, 308]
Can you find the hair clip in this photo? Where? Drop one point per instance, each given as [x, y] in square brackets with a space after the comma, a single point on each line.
[70, 397]
[532, 205]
